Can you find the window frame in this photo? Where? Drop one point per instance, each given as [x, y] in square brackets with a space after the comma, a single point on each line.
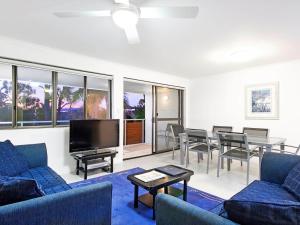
[54, 78]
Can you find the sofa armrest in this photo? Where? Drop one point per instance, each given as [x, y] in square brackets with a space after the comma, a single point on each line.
[275, 166]
[35, 154]
[173, 211]
[90, 205]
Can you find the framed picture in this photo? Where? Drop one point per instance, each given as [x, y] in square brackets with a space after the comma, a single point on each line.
[262, 102]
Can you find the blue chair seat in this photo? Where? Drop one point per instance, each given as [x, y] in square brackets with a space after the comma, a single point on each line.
[48, 180]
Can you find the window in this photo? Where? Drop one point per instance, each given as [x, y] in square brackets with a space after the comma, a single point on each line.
[134, 105]
[5, 95]
[70, 98]
[98, 98]
[34, 97]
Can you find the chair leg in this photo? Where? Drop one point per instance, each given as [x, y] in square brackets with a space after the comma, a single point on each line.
[241, 163]
[211, 155]
[248, 170]
[173, 157]
[187, 158]
[207, 167]
[198, 154]
[218, 169]
[228, 164]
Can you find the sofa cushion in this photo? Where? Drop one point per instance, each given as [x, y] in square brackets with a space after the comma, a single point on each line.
[44, 176]
[263, 203]
[16, 189]
[292, 181]
[57, 189]
[12, 162]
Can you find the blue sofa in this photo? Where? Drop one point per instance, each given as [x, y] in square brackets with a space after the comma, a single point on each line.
[61, 204]
[264, 194]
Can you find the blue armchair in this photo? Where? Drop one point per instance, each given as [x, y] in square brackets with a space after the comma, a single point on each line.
[274, 169]
[89, 205]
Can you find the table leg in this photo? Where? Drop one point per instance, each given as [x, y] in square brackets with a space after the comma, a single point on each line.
[282, 148]
[85, 169]
[166, 190]
[77, 167]
[111, 164]
[136, 196]
[228, 164]
[185, 190]
[153, 207]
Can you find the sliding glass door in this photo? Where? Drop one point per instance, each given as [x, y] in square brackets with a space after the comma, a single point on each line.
[168, 109]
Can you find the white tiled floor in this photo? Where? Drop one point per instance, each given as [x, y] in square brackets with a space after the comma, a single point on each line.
[225, 186]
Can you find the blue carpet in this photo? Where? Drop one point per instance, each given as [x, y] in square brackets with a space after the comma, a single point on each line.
[122, 206]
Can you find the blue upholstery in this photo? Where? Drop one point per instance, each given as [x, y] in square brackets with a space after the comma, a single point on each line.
[35, 154]
[45, 177]
[173, 211]
[11, 162]
[16, 189]
[275, 166]
[292, 181]
[263, 203]
[89, 205]
[266, 197]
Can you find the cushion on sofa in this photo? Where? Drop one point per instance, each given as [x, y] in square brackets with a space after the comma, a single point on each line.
[16, 189]
[45, 177]
[263, 203]
[292, 181]
[12, 162]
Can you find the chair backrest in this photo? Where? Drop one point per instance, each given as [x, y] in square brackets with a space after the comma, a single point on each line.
[198, 134]
[222, 128]
[176, 129]
[233, 139]
[256, 132]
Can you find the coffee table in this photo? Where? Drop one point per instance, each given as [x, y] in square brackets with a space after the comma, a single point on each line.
[153, 187]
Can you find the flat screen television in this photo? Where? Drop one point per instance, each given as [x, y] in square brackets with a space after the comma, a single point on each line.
[88, 135]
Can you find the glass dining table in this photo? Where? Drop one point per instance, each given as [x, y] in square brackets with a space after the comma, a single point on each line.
[264, 144]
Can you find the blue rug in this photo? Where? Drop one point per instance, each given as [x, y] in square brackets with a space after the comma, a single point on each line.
[123, 211]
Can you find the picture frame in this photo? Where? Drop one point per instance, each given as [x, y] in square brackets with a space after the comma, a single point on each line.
[262, 101]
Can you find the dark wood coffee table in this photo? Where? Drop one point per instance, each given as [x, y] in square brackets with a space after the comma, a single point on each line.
[156, 186]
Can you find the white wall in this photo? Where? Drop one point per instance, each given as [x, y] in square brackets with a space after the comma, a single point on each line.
[220, 99]
[57, 138]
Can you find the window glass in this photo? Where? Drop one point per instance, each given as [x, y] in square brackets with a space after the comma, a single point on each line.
[98, 102]
[70, 98]
[34, 97]
[134, 105]
[5, 95]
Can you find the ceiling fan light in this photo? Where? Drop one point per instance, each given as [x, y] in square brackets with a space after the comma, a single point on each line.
[125, 18]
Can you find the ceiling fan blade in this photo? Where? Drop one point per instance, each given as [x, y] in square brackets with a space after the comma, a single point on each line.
[99, 13]
[132, 35]
[122, 2]
[169, 12]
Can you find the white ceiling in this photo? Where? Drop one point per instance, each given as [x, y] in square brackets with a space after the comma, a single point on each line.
[182, 47]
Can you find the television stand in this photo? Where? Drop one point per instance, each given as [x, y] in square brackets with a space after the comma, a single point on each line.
[94, 160]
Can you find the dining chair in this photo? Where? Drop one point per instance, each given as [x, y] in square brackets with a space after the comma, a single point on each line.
[256, 133]
[201, 146]
[241, 150]
[216, 129]
[173, 137]
[222, 128]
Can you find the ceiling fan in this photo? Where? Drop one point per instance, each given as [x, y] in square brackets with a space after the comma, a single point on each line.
[126, 15]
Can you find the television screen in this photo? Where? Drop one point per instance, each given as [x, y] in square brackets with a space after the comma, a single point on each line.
[93, 134]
